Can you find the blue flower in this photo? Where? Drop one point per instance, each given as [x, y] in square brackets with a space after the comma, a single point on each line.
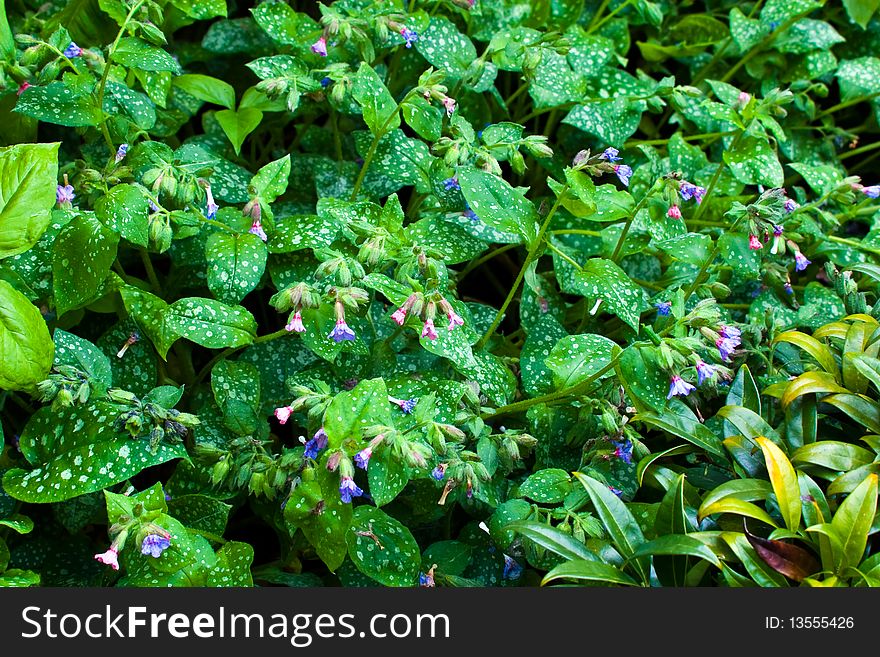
[64, 194]
[800, 261]
[610, 154]
[616, 491]
[325, 82]
[451, 183]
[341, 332]
[624, 172]
[690, 191]
[791, 205]
[678, 386]
[439, 473]
[409, 36]
[316, 444]
[470, 214]
[121, 152]
[155, 544]
[512, 569]
[730, 333]
[348, 489]
[623, 450]
[872, 192]
[726, 346]
[72, 50]
[362, 458]
[427, 579]
[705, 372]
[406, 405]
[663, 307]
[787, 287]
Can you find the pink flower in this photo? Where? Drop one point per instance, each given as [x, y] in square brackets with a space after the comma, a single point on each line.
[454, 320]
[429, 331]
[296, 323]
[319, 47]
[449, 104]
[283, 414]
[399, 316]
[755, 243]
[257, 229]
[109, 558]
[674, 212]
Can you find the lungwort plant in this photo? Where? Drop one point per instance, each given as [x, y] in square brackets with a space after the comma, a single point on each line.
[439, 293]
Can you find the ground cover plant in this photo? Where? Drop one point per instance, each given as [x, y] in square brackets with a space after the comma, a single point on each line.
[439, 293]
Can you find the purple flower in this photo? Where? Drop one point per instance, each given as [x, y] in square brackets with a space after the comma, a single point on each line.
[726, 347]
[72, 50]
[211, 208]
[690, 191]
[451, 183]
[348, 489]
[610, 154]
[429, 331]
[319, 47]
[341, 332]
[427, 579]
[730, 332]
[616, 491]
[678, 386]
[296, 323]
[449, 104]
[155, 545]
[121, 152]
[439, 473]
[406, 405]
[257, 229]
[325, 82]
[362, 458]
[454, 320]
[512, 569]
[316, 444]
[705, 372]
[409, 36]
[64, 194]
[787, 287]
[663, 307]
[873, 191]
[791, 205]
[623, 450]
[624, 172]
[800, 261]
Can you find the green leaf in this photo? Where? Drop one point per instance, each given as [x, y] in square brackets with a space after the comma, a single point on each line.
[382, 548]
[316, 509]
[303, 231]
[853, 519]
[150, 313]
[27, 194]
[26, 350]
[379, 107]
[235, 264]
[352, 411]
[643, 379]
[238, 125]
[674, 544]
[543, 336]
[446, 48]
[576, 358]
[122, 101]
[57, 103]
[734, 248]
[211, 323]
[679, 420]
[618, 521]
[752, 161]
[860, 11]
[206, 88]
[496, 203]
[233, 567]
[387, 475]
[125, 210]
[858, 77]
[589, 571]
[82, 354]
[546, 486]
[738, 507]
[271, 180]
[784, 481]
[137, 54]
[832, 454]
[77, 280]
[552, 539]
[423, 117]
[612, 122]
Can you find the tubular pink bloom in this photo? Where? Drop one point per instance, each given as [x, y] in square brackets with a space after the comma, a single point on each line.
[319, 47]
[24, 87]
[283, 414]
[743, 98]
[454, 320]
[399, 316]
[674, 212]
[449, 104]
[755, 243]
[109, 558]
[296, 323]
[429, 331]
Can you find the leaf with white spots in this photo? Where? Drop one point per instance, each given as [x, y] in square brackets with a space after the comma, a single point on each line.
[496, 380]
[138, 54]
[77, 279]
[555, 83]
[379, 107]
[807, 35]
[233, 566]
[395, 292]
[210, 323]
[399, 161]
[122, 101]
[315, 508]
[446, 48]
[576, 358]
[303, 231]
[754, 162]
[150, 314]
[352, 411]
[200, 512]
[603, 279]
[451, 243]
[858, 77]
[82, 354]
[497, 203]
[382, 548]
[387, 475]
[271, 180]
[283, 24]
[613, 121]
[543, 336]
[125, 210]
[228, 181]
[236, 262]
[59, 104]
[236, 380]
[453, 344]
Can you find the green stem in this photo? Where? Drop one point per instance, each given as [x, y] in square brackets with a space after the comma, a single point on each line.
[610, 15]
[859, 151]
[629, 220]
[151, 273]
[660, 142]
[473, 264]
[552, 397]
[576, 231]
[855, 244]
[562, 254]
[849, 103]
[534, 248]
[597, 15]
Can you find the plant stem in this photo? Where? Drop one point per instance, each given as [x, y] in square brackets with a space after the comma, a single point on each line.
[848, 103]
[660, 142]
[629, 220]
[151, 273]
[859, 151]
[562, 254]
[473, 264]
[532, 254]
